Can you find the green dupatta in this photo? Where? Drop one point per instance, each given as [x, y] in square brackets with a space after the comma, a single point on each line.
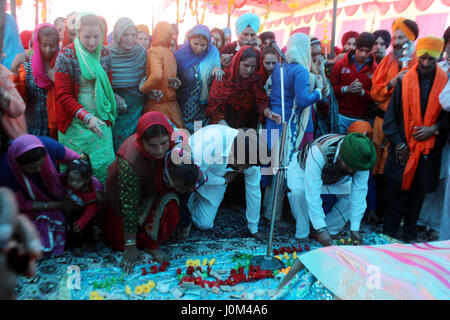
[91, 69]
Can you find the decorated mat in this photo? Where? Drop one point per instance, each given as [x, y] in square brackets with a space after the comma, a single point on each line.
[209, 269]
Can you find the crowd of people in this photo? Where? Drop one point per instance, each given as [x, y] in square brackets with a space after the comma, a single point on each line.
[132, 138]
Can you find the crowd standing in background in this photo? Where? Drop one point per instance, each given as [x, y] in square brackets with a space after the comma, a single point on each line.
[93, 125]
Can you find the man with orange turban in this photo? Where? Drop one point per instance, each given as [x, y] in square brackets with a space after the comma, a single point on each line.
[390, 69]
[416, 127]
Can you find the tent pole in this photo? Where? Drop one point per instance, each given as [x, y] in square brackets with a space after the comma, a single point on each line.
[229, 13]
[333, 34]
[36, 21]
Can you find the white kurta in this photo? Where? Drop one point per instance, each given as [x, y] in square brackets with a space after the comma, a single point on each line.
[211, 147]
[306, 186]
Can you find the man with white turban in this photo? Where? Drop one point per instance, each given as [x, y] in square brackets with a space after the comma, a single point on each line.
[247, 26]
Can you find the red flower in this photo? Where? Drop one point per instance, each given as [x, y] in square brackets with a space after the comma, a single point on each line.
[289, 250]
[199, 268]
[179, 271]
[187, 279]
[282, 250]
[275, 252]
[154, 269]
[208, 270]
[190, 270]
[307, 247]
[166, 263]
[198, 281]
[162, 268]
[233, 272]
[300, 248]
[241, 270]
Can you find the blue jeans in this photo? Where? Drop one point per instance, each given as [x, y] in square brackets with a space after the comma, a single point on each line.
[345, 122]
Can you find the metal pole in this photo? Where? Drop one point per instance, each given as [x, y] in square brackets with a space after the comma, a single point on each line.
[333, 34]
[36, 20]
[229, 13]
[268, 262]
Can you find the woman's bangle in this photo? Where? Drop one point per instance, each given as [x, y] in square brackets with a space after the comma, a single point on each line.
[401, 147]
[130, 242]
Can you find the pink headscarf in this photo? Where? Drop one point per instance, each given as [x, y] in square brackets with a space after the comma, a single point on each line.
[37, 65]
[49, 175]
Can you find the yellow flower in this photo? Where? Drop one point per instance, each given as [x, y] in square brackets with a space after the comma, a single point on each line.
[205, 262]
[128, 290]
[196, 263]
[95, 296]
[151, 284]
[286, 256]
[139, 290]
[212, 261]
[294, 255]
[277, 257]
[146, 288]
[189, 263]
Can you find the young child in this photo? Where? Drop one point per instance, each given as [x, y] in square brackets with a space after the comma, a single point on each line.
[85, 191]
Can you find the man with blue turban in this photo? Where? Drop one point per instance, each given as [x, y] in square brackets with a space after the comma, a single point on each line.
[247, 26]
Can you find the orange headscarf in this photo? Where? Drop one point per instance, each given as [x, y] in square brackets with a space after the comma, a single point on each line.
[144, 28]
[162, 34]
[412, 117]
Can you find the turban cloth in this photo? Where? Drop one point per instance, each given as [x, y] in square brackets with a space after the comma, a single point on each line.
[362, 127]
[431, 45]
[348, 35]
[385, 35]
[267, 35]
[358, 152]
[227, 31]
[247, 19]
[400, 24]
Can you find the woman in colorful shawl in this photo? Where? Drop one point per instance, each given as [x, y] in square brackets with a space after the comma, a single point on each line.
[198, 62]
[161, 73]
[143, 210]
[298, 98]
[36, 82]
[29, 169]
[86, 105]
[128, 60]
[239, 99]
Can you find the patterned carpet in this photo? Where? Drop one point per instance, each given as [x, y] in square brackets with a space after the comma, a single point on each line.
[99, 270]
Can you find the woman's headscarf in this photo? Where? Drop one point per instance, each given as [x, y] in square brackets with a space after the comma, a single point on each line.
[128, 65]
[69, 25]
[37, 65]
[162, 34]
[91, 69]
[298, 50]
[233, 82]
[208, 60]
[48, 173]
[143, 28]
[148, 120]
[25, 37]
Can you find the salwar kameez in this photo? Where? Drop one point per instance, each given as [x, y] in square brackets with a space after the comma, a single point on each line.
[80, 139]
